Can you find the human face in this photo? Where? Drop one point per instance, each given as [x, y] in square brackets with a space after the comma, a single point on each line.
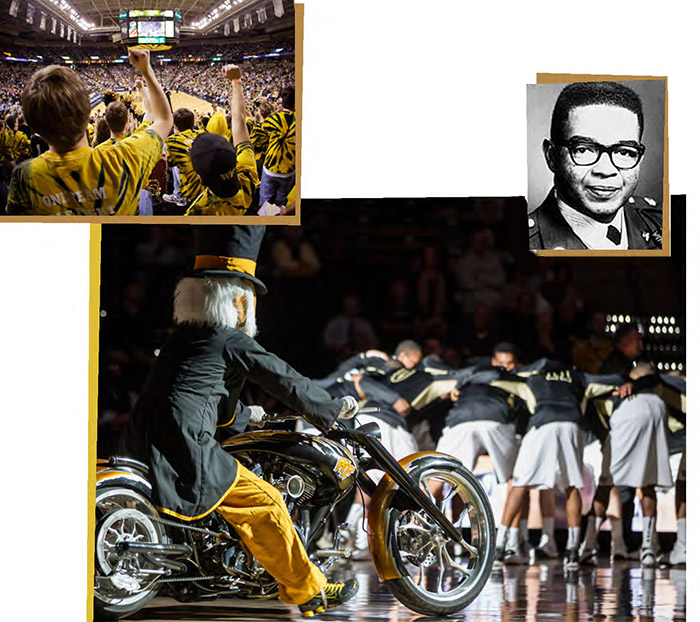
[631, 345]
[503, 359]
[410, 359]
[598, 190]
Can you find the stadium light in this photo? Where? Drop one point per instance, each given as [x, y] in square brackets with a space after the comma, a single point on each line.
[73, 14]
[217, 12]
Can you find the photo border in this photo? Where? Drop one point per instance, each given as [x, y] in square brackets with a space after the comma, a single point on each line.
[665, 250]
[291, 219]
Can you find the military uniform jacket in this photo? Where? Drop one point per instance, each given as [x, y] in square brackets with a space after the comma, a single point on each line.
[192, 390]
[549, 230]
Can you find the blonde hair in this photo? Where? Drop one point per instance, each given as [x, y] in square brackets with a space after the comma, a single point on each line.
[216, 301]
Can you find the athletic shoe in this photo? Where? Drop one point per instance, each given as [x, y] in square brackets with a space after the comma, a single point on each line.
[548, 550]
[515, 557]
[677, 556]
[332, 595]
[647, 557]
[175, 198]
[571, 561]
[588, 557]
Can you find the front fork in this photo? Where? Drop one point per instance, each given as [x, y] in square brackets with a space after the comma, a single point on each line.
[398, 480]
[398, 472]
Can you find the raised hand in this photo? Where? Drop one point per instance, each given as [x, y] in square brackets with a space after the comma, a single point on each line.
[232, 72]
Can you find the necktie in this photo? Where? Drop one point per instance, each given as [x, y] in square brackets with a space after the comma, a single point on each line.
[614, 235]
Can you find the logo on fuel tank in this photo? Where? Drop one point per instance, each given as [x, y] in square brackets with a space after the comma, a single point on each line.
[344, 468]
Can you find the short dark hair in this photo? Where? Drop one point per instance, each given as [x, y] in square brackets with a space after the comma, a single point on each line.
[11, 121]
[406, 346]
[507, 348]
[116, 116]
[52, 94]
[183, 118]
[590, 94]
[287, 95]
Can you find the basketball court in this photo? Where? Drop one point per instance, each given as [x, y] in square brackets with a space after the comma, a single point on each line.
[177, 98]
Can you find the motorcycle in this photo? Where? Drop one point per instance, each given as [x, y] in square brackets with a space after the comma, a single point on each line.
[430, 524]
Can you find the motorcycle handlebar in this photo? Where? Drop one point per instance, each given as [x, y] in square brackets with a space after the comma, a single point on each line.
[275, 418]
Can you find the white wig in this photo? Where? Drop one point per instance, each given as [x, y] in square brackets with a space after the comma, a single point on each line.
[217, 301]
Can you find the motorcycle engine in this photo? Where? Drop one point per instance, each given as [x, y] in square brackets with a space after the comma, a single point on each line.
[296, 488]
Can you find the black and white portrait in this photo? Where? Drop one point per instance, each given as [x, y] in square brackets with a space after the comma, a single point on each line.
[596, 165]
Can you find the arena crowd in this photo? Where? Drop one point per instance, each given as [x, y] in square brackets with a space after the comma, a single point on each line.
[267, 105]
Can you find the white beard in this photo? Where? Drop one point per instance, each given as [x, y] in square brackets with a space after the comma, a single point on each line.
[210, 301]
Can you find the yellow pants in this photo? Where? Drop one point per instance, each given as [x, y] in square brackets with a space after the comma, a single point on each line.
[257, 512]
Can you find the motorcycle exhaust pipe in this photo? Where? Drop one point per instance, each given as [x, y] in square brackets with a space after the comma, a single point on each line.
[170, 564]
[179, 550]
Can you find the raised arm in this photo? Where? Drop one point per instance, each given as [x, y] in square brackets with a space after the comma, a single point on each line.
[239, 129]
[146, 99]
[160, 108]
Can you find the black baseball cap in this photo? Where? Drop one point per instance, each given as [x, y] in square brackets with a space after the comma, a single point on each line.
[214, 160]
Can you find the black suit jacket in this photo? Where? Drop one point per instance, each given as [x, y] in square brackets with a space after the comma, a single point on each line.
[549, 230]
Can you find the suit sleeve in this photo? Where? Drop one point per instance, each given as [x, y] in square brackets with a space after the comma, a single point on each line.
[280, 380]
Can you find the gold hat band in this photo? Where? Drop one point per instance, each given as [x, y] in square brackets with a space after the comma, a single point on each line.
[232, 264]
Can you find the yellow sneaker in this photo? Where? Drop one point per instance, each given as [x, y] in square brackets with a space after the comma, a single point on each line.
[332, 595]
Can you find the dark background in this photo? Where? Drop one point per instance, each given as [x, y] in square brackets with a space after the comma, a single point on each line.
[407, 266]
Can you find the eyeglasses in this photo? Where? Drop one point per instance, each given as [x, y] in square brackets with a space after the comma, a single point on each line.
[588, 152]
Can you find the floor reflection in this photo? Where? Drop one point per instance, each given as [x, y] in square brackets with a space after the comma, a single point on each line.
[622, 592]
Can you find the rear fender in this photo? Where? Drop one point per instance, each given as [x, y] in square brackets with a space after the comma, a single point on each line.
[123, 478]
[380, 540]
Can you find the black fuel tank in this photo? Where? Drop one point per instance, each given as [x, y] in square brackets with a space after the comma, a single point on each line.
[332, 459]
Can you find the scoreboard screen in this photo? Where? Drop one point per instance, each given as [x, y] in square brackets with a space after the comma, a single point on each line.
[150, 28]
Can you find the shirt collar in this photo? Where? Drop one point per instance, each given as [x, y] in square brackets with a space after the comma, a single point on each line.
[593, 233]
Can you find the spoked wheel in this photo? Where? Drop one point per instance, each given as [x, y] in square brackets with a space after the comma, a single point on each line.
[123, 579]
[439, 576]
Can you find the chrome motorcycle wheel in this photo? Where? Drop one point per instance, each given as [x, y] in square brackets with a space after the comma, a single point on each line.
[439, 576]
[123, 579]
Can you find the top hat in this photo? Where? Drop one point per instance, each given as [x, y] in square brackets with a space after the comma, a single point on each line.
[229, 250]
[214, 160]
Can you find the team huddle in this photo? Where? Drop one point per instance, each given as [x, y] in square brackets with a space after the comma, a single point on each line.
[234, 160]
[532, 421]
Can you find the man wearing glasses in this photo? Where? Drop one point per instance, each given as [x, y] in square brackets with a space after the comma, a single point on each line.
[595, 151]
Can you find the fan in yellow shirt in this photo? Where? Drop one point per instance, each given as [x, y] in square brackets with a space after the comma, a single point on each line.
[229, 176]
[72, 178]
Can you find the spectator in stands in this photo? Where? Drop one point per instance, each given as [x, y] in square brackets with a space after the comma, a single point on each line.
[72, 178]
[349, 332]
[589, 354]
[186, 183]
[229, 174]
[479, 273]
[280, 156]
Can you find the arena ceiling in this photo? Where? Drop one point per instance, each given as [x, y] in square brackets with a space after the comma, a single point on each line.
[104, 14]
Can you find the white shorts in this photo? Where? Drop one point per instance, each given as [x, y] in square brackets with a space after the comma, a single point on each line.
[639, 444]
[397, 441]
[471, 439]
[551, 456]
